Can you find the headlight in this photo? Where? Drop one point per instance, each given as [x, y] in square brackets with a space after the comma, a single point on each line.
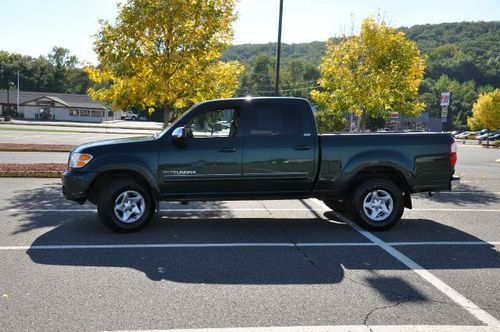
[79, 160]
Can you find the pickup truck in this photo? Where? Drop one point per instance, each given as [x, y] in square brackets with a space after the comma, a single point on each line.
[257, 149]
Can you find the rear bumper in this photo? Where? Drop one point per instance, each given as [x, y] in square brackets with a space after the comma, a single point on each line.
[75, 185]
[455, 181]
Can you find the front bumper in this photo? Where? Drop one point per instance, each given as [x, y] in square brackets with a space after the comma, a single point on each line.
[455, 182]
[75, 185]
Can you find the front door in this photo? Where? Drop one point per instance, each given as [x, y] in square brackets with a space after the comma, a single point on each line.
[208, 160]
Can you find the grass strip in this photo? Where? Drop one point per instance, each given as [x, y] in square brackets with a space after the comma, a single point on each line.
[15, 147]
[43, 170]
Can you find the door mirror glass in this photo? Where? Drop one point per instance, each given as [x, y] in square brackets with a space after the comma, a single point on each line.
[179, 132]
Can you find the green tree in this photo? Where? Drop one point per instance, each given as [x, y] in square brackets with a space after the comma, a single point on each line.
[371, 74]
[486, 111]
[165, 53]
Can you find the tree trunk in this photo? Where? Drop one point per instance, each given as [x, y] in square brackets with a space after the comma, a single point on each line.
[166, 115]
[362, 122]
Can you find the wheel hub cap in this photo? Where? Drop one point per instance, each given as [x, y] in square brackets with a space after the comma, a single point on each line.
[378, 205]
[129, 206]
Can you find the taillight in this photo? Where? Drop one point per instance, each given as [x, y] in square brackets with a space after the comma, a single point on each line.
[453, 153]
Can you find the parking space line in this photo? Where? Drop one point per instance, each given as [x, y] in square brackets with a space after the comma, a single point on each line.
[444, 243]
[242, 245]
[339, 328]
[456, 297]
[246, 210]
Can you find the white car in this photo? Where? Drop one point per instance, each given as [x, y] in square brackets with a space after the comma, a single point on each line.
[129, 115]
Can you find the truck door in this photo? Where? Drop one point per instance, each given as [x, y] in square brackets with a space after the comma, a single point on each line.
[207, 161]
[279, 147]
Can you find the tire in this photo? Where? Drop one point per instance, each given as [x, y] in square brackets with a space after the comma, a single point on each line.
[377, 204]
[340, 206]
[124, 198]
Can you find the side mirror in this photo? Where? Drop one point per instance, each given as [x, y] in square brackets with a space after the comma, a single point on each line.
[179, 132]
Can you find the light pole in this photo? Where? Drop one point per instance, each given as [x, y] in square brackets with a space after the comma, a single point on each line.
[278, 53]
[10, 85]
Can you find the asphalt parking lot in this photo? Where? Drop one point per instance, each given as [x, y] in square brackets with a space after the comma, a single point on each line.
[259, 264]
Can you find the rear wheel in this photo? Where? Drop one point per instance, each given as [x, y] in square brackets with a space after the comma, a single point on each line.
[377, 204]
[125, 206]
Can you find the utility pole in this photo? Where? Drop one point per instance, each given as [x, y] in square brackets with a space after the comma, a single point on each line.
[278, 53]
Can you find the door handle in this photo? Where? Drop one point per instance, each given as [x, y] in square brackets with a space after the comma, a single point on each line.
[301, 148]
[227, 150]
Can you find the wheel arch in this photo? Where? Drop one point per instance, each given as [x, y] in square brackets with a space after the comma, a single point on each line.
[105, 176]
[384, 171]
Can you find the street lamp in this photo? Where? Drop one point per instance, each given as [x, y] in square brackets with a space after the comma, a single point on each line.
[10, 85]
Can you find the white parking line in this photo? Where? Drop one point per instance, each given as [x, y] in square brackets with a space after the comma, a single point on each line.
[340, 328]
[242, 245]
[246, 209]
[458, 298]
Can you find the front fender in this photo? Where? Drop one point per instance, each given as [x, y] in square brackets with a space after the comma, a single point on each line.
[134, 164]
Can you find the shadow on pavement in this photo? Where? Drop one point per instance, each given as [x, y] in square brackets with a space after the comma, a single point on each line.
[479, 196]
[238, 265]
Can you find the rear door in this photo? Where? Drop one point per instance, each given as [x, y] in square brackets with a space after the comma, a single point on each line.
[278, 147]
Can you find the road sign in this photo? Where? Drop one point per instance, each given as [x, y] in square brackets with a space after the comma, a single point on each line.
[444, 100]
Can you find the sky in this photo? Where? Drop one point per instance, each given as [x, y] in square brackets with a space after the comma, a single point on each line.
[33, 27]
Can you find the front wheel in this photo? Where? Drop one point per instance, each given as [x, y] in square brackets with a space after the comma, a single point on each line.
[377, 204]
[125, 206]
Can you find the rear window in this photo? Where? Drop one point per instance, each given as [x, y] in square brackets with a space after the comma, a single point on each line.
[270, 119]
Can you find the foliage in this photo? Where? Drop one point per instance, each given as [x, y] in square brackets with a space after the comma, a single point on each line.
[486, 112]
[57, 72]
[165, 53]
[371, 74]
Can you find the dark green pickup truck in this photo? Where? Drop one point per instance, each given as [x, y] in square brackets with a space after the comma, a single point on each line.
[258, 148]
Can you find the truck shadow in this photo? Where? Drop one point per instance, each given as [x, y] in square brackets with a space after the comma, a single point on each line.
[294, 264]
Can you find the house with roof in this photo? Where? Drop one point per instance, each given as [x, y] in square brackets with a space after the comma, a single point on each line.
[55, 107]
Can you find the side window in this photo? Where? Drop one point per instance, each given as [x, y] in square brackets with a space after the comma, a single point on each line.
[276, 119]
[214, 123]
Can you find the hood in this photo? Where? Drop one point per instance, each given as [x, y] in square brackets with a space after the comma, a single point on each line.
[116, 141]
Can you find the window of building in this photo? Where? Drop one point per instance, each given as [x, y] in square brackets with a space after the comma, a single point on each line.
[96, 114]
[74, 112]
[84, 112]
[270, 119]
[215, 123]
[110, 114]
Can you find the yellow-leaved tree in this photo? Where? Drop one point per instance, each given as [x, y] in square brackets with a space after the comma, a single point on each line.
[486, 112]
[370, 74]
[165, 53]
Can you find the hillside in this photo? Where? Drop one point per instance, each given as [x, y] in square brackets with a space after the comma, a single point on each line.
[464, 51]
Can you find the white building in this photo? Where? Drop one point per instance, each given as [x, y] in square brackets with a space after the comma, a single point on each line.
[55, 107]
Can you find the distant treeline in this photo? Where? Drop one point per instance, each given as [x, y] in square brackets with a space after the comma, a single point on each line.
[463, 58]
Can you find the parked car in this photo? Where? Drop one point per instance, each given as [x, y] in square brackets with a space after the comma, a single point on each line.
[467, 135]
[129, 115]
[272, 150]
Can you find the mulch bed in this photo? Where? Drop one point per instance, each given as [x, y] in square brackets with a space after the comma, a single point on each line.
[47, 170]
[35, 147]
